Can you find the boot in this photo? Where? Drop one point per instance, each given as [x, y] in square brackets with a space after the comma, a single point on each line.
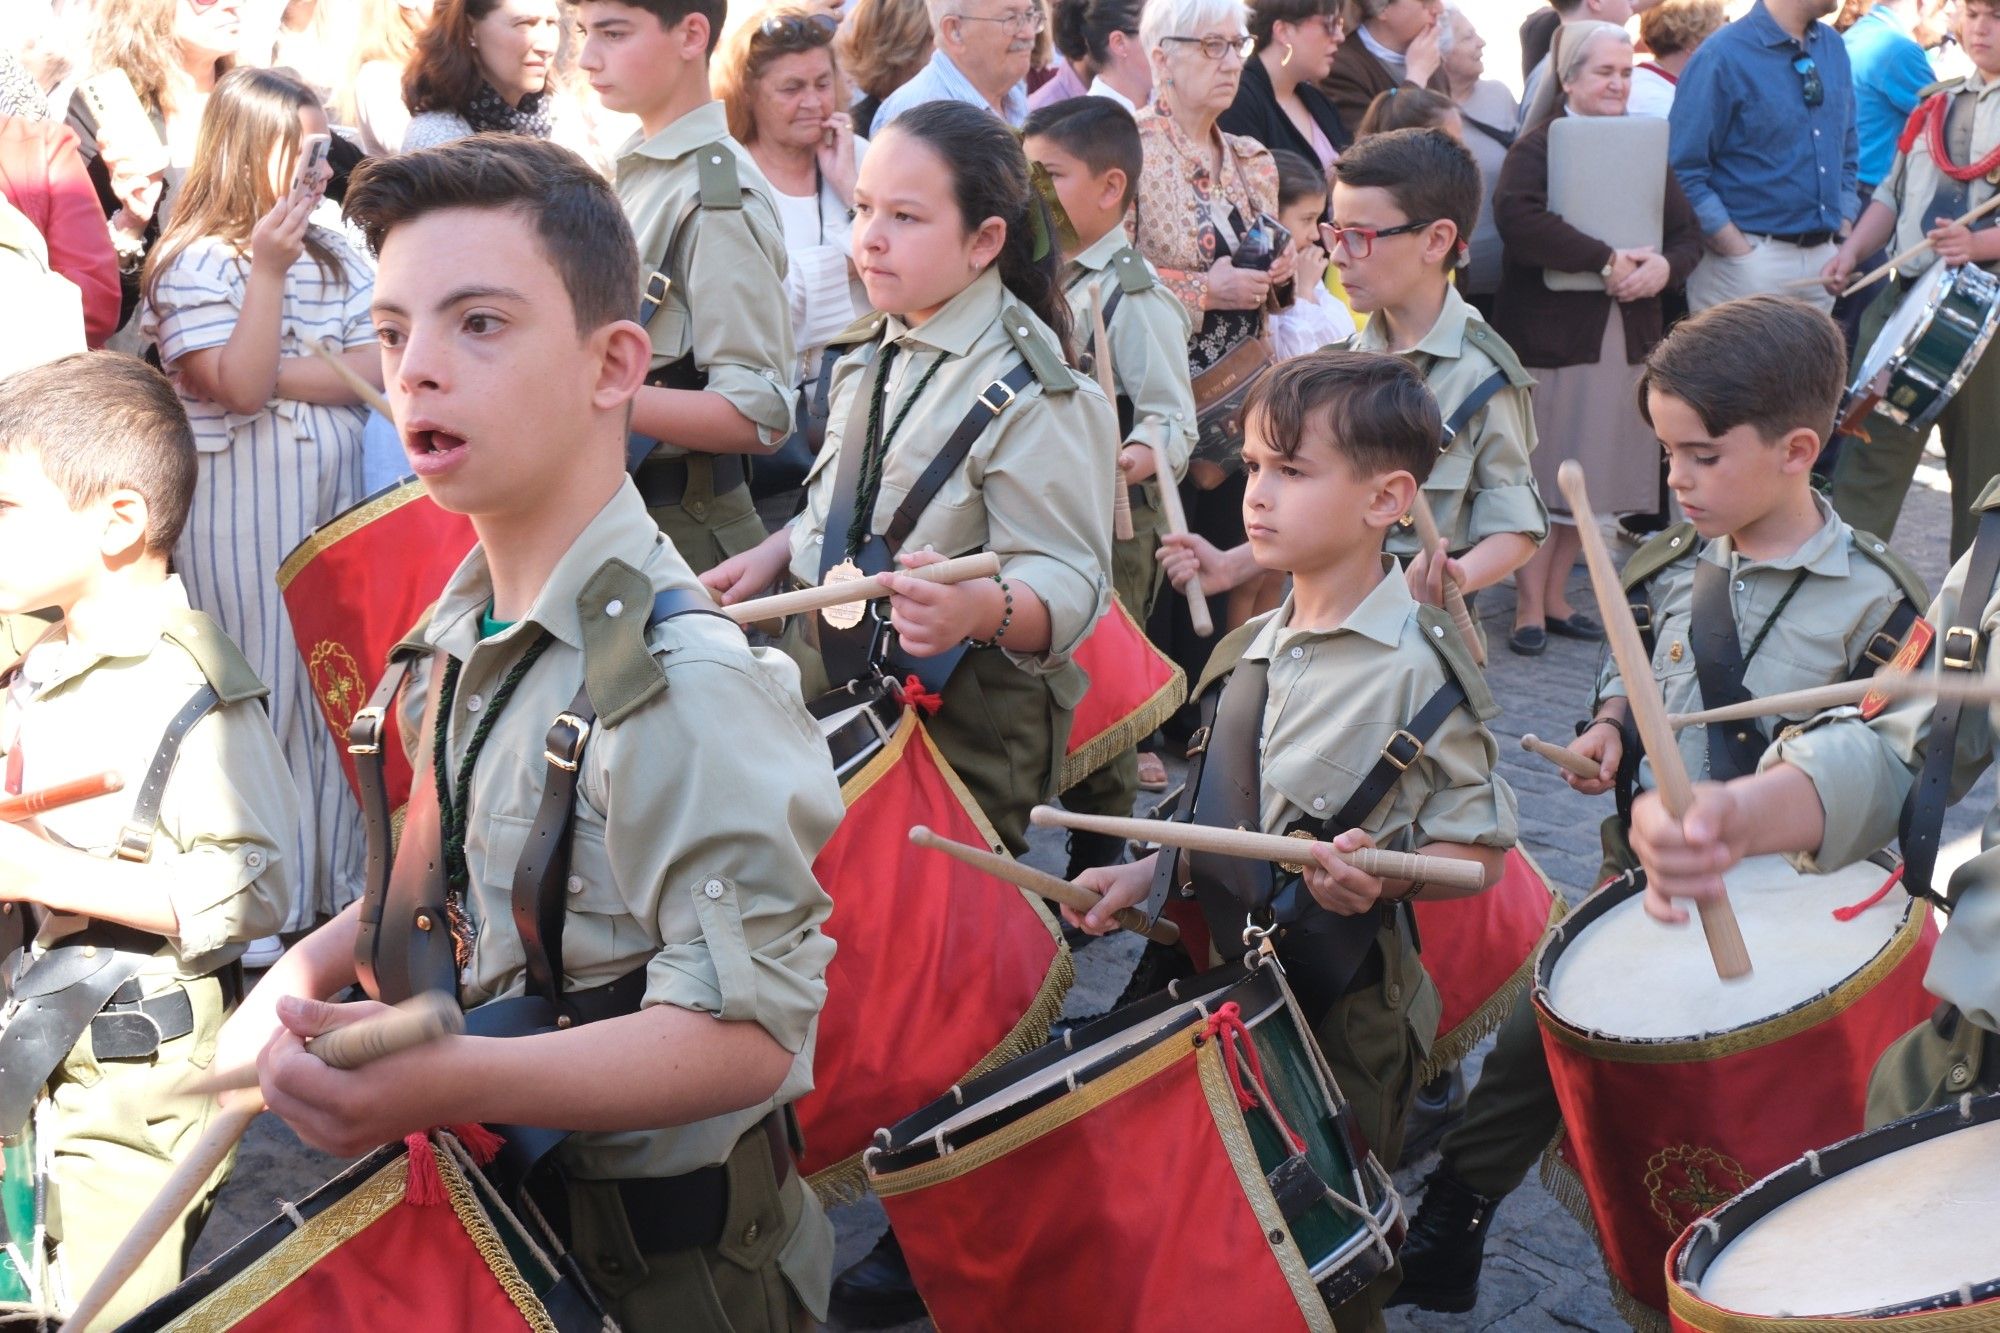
[877, 1291]
[1445, 1247]
[1088, 851]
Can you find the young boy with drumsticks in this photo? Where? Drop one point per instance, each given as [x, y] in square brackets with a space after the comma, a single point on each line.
[1352, 713]
[136, 904]
[1763, 589]
[1944, 168]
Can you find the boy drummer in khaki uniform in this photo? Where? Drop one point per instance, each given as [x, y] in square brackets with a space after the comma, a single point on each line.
[687, 967]
[1947, 165]
[712, 273]
[1765, 590]
[145, 897]
[1371, 731]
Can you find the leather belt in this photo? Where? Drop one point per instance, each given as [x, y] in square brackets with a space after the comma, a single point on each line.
[664, 481]
[132, 1027]
[1803, 239]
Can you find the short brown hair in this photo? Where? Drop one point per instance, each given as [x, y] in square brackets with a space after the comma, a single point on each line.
[1430, 176]
[575, 215]
[1374, 409]
[103, 422]
[883, 43]
[1770, 362]
[670, 12]
[1405, 109]
[1673, 26]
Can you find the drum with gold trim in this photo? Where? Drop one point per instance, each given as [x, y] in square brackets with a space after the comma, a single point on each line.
[1897, 1228]
[1679, 1089]
[1481, 952]
[1134, 687]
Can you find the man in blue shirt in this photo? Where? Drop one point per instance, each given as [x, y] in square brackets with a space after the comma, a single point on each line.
[1763, 142]
[981, 55]
[1886, 50]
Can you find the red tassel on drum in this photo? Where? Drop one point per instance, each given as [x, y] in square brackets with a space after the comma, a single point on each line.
[1856, 909]
[1238, 1050]
[911, 693]
[481, 1144]
[422, 1186]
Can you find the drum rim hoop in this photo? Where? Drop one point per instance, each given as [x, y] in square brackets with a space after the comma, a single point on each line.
[1785, 1024]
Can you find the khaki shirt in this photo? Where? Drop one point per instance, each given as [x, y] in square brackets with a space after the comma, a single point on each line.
[726, 277]
[1815, 639]
[1483, 484]
[1034, 490]
[1863, 771]
[1338, 696]
[80, 708]
[1914, 178]
[1148, 331]
[697, 820]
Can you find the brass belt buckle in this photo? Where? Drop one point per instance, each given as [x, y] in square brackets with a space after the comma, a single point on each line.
[364, 733]
[579, 733]
[1396, 761]
[1958, 661]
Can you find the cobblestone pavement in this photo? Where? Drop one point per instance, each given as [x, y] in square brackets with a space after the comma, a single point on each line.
[1542, 1271]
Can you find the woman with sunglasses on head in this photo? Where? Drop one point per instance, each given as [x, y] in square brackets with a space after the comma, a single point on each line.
[1279, 103]
[1584, 348]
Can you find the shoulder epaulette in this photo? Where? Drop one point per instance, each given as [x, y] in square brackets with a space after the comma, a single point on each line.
[860, 331]
[1950, 85]
[1228, 652]
[1035, 350]
[1497, 351]
[220, 662]
[1667, 547]
[414, 641]
[1875, 549]
[620, 671]
[1441, 633]
[715, 168]
[1133, 272]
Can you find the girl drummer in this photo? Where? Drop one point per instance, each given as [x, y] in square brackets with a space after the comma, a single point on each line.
[972, 339]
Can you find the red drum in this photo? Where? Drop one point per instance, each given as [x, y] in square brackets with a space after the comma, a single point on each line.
[1184, 1163]
[942, 972]
[1134, 687]
[1480, 951]
[390, 1243]
[354, 588]
[1898, 1228]
[1679, 1089]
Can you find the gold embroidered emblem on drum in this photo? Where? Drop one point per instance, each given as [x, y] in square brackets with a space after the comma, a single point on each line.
[1684, 1182]
[337, 682]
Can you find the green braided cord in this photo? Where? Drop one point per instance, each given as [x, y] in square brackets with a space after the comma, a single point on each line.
[877, 447]
[455, 798]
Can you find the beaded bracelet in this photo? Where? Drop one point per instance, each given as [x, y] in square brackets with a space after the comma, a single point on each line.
[1006, 618]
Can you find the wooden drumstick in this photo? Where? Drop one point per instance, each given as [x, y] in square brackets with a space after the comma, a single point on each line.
[1454, 598]
[28, 804]
[419, 1019]
[1042, 882]
[964, 568]
[1121, 503]
[367, 1040]
[1649, 711]
[1804, 703]
[1444, 871]
[1562, 758]
[366, 392]
[1176, 516]
[1921, 247]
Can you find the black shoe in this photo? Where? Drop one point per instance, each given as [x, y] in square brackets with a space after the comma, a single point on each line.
[1438, 1106]
[1529, 640]
[1090, 851]
[877, 1291]
[1445, 1247]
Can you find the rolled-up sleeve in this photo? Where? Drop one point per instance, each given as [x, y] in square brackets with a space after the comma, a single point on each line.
[1468, 802]
[1503, 494]
[1149, 334]
[1047, 487]
[742, 334]
[226, 815]
[723, 866]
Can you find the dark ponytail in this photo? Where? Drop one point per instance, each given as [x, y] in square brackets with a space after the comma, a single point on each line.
[1099, 19]
[990, 180]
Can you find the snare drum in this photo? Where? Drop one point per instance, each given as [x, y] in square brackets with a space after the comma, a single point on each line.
[1480, 952]
[24, 1260]
[1899, 1226]
[1926, 349]
[856, 732]
[1679, 1089]
[1118, 1180]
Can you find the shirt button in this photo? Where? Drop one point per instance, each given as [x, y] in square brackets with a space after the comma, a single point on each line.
[614, 608]
[1297, 653]
[1319, 802]
[1960, 1075]
[575, 884]
[713, 888]
[1395, 994]
[254, 860]
[473, 703]
[1739, 585]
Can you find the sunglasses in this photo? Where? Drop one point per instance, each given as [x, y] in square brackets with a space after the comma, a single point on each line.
[796, 30]
[1809, 81]
[1360, 241]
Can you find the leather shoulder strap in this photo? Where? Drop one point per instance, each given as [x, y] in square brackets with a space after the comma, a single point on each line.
[1733, 748]
[994, 399]
[1469, 406]
[1668, 547]
[135, 839]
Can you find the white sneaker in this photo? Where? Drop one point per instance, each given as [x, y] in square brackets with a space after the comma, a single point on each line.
[263, 953]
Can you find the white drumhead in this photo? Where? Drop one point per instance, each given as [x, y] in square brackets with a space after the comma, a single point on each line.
[1627, 975]
[1914, 1223]
[1079, 1059]
[1900, 331]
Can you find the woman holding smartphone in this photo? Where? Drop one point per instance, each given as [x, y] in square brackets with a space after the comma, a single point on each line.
[236, 289]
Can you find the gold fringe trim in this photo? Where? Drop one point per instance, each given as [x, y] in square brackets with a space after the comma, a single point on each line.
[1134, 727]
[1235, 1135]
[1779, 1027]
[344, 524]
[1698, 1314]
[1449, 1049]
[479, 1229]
[1560, 1179]
[846, 1181]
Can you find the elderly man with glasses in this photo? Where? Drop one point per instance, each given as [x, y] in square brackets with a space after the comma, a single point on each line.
[1764, 146]
[981, 56]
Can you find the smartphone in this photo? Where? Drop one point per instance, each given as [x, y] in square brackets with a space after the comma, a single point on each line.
[312, 157]
[122, 119]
